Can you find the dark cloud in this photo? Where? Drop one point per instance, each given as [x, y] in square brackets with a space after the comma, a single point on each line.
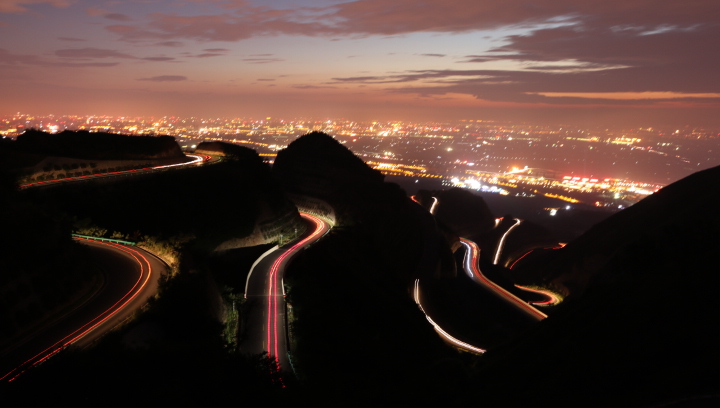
[170, 44]
[19, 60]
[380, 17]
[262, 60]
[580, 46]
[531, 86]
[165, 78]
[159, 59]
[8, 58]
[71, 39]
[439, 76]
[265, 79]
[90, 52]
[313, 87]
[117, 17]
[667, 39]
[18, 6]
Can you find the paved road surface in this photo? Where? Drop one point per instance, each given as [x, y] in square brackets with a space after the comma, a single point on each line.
[265, 308]
[130, 278]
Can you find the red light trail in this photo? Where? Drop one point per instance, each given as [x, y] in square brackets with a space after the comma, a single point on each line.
[145, 272]
[196, 159]
[276, 290]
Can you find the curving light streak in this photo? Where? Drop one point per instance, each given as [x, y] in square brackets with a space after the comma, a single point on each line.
[82, 331]
[197, 159]
[501, 243]
[553, 299]
[252, 268]
[434, 204]
[470, 262]
[439, 330]
[276, 288]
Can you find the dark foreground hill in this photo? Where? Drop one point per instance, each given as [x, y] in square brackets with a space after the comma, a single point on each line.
[91, 146]
[359, 338]
[638, 328]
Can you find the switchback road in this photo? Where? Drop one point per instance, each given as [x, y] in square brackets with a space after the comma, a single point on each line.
[130, 278]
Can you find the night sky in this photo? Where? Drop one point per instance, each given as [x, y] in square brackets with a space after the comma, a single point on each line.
[635, 62]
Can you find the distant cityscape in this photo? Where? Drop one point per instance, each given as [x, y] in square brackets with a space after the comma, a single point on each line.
[599, 167]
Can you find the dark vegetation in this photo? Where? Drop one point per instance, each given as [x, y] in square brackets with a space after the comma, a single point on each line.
[358, 338]
[32, 287]
[95, 146]
[203, 205]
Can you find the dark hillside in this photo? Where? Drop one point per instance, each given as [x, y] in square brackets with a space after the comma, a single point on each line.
[639, 326]
[643, 334]
[404, 235]
[688, 204]
[96, 146]
[207, 205]
[463, 212]
[41, 268]
[360, 337]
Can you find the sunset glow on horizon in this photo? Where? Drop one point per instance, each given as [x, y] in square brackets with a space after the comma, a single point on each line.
[634, 61]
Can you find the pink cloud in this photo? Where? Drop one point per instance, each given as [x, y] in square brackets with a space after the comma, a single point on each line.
[20, 6]
[10, 59]
[90, 52]
[165, 78]
[117, 17]
[262, 60]
[159, 59]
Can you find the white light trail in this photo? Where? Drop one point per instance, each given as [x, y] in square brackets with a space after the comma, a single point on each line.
[501, 243]
[439, 330]
[470, 264]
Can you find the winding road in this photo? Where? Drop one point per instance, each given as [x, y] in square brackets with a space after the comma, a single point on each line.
[197, 159]
[470, 265]
[265, 325]
[130, 278]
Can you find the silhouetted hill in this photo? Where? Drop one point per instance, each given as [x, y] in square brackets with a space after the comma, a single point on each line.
[686, 205]
[96, 146]
[639, 326]
[317, 165]
[41, 267]
[463, 212]
[240, 153]
[352, 287]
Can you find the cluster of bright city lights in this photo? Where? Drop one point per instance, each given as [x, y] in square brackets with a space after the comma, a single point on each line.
[599, 167]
